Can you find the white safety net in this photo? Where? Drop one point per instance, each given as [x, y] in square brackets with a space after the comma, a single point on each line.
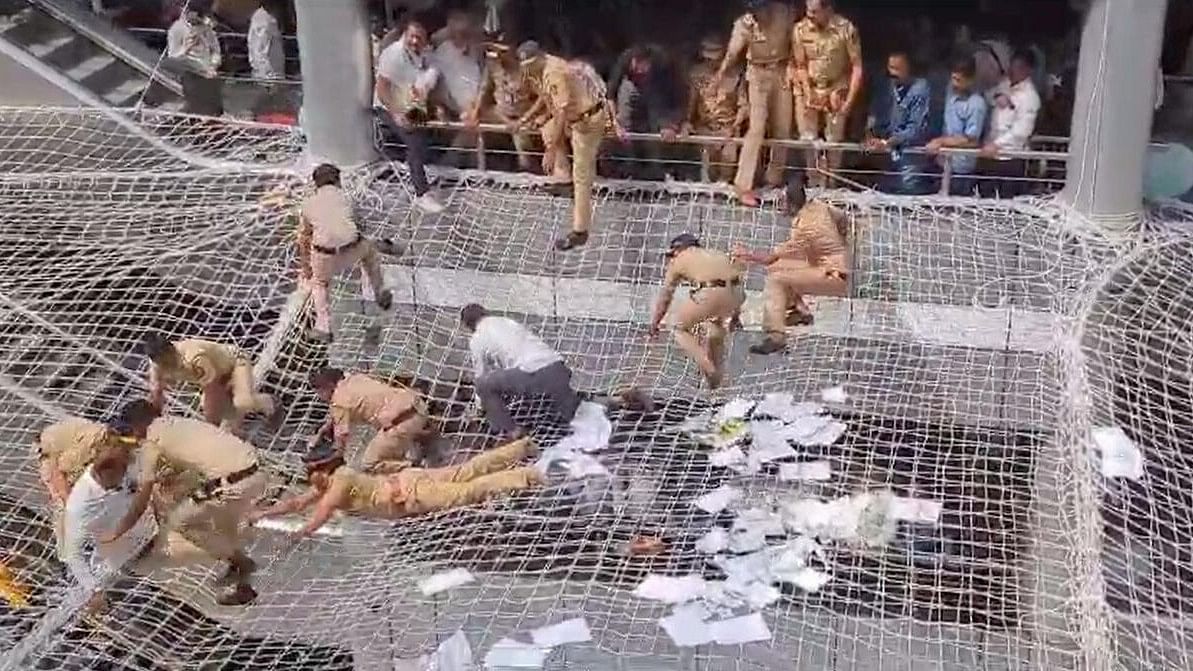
[974, 461]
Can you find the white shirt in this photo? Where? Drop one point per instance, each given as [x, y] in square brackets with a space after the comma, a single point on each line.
[461, 71]
[500, 344]
[195, 45]
[406, 72]
[1012, 125]
[266, 54]
[330, 216]
[93, 512]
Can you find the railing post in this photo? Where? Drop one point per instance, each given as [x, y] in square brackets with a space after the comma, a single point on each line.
[946, 175]
[480, 150]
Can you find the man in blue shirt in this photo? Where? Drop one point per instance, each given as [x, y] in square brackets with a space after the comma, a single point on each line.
[900, 120]
[965, 113]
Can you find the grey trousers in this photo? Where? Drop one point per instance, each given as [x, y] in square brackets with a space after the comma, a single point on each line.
[554, 381]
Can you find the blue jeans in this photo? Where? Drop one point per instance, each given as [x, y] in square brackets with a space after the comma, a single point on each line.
[416, 141]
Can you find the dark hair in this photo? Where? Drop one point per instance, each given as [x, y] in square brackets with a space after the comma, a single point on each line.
[641, 52]
[326, 377]
[156, 345]
[965, 67]
[1025, 56]
[133, 414]
[326, 174]
[471, 315]
[797, 195]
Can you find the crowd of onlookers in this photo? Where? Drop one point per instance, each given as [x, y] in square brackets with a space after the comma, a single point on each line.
[932, 75]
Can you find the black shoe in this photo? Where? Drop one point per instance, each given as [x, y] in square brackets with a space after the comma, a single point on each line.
[767, 347]
[385, 299]
[241, 595]
[388, 247]
[636, 400]
[560, 189]
[274, 421]
[573, 240]
[238, 573]
[799, 318]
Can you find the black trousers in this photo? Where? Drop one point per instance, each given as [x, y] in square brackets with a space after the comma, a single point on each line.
[417, 142]
[203, 96]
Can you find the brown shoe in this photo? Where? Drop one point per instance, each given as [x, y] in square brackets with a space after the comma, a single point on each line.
[637, 400]
[238, 572]
[241, 595]
[768, 347]
[573, 240]
[799, 318]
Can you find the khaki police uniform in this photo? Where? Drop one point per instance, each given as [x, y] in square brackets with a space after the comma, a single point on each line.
[822, 63]
[768, 52]
[717, 106]
[417, 491]
[328, 234]
[228, 479]
[225, 375]
[814, 260]
[506, 96]
[399, 415]
[69, 447]
[716, 295]
[575, 89]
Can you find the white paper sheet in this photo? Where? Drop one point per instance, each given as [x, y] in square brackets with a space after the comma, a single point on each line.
[441, 582]
[591, 428]
[765, 521]
[770, 441]
[562, 633]
[687, 627]
[816, 430]
[757, 594]
[776, 405]
[718, 499]
[291, 524]
[834, 395]
[1121, 458]
[919, 511]
[508, 653]
[735, 631]
[670, 589]
[808, 471]
[728, 457]
[807, 579]
[746, 540]
[454, 654]
[738, 408]
[716, 540]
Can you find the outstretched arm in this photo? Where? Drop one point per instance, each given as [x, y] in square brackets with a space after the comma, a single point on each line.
[330, 502]
[54, 481]
[286, 506]
[664, 301]
[157, 386]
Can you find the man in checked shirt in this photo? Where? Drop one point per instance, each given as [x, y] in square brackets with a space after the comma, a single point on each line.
[508, 98]
[717, 106]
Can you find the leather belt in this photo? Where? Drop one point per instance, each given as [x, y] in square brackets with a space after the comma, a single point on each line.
[214, 487]
[403, 416]
[332, 251]
[591, 111]
[717, 284]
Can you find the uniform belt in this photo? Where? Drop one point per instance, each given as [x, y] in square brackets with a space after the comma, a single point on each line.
[403, 416]
[332, 251]
[716, 284]
[214, 487]
[588, 113]
[767, 64]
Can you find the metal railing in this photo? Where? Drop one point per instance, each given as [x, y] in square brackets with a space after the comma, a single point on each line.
[480, 150]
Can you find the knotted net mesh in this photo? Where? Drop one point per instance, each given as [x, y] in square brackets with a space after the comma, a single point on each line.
[968, 384]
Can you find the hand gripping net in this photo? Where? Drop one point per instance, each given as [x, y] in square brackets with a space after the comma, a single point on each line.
[991, 361]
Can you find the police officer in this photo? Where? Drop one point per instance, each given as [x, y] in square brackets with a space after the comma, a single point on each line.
[716, 105]
[763, 33]
[398, 414]
[716, 297]
[64, 451]
[508, 98]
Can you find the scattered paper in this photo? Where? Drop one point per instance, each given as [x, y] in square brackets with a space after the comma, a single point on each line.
[716, 540]
[285, 524]
[441, 582]
[562, 633]
[727, 457]
[812, 471]
[738, 630]
[510, 653]
[670, 589]
[720, 598]
[816, 430]
[745, 569]
[738, 408]
[687, 626]
[764, 521]
[834, 395]
[454, 654]
[1121, 458]
[807, 579]
[775, 405]
[579, 465]
[718, 499]
[918, 511]
[757, 594]
[591, 428]
[769, 441]
[746, 540]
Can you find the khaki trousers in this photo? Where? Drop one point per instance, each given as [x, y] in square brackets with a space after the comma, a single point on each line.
[326, 266]
[394, 444]
[770, 109]
[713, 308]
[213, 526]
[229, 400]
[586, 143]
[416, 491]
[787, 282]
[815, 123]
[719, 159]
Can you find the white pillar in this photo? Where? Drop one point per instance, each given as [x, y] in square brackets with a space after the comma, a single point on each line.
[1112, 114]
[337, 80]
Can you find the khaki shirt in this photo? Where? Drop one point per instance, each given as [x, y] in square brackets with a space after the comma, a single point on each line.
[816, 237]
[715, 103]
[571, 86]
[71, 445]
[327, 219]
[765, 44]
[202, 362]
[827, 56]
[362, 492]
[698, 265]
[193, 446]
[359, 398]
[513, 94]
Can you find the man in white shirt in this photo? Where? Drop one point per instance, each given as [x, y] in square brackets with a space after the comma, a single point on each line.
[192, 44]
[508, 360]
[329, 243]
[1014, 106]
[405, 83]
[267, 55]
[458, 57]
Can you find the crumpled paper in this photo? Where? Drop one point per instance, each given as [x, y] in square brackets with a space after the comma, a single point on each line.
[591, 431]
[862, 518]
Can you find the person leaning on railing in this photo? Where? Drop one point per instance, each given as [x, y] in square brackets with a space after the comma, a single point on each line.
[716, 106]
[192, 44]
[965, 113]
[507, 98]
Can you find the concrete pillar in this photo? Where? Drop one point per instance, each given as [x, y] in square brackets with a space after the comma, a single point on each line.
[337, 80]
[1112, 115]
